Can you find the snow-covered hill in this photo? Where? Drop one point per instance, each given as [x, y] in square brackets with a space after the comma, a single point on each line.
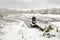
[16, 28]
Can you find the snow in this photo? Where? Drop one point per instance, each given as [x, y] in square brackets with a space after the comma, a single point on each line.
[18, 30]
[56, 24]
[15, 31]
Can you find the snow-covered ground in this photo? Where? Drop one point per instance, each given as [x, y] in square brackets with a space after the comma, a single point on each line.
[15, 27]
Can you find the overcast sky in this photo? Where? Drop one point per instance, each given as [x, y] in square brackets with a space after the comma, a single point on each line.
[29, 4]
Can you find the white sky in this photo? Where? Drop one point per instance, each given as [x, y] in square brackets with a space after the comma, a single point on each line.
[29, 4]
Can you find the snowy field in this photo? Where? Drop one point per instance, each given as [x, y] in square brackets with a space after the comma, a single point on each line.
[16, 27]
